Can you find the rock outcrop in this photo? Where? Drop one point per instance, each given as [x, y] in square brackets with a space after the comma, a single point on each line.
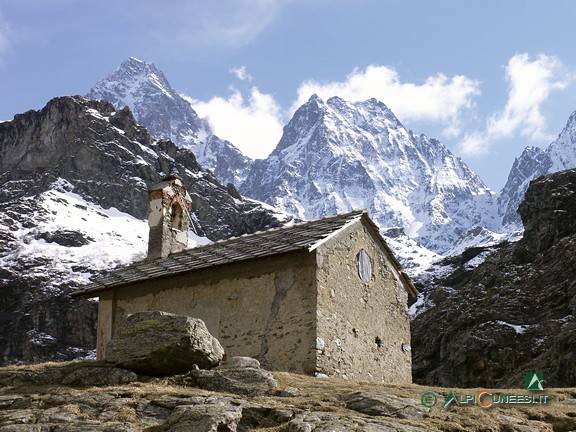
[242, 375]
[513, 313]
[161, 344]
[312, 405]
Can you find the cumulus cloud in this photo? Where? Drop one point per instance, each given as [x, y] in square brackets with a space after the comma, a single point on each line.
[241, 73]
[438, 99]
[530, 83]
[253, 124]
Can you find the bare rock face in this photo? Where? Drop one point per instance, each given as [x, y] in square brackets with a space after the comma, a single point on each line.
[516, 311]
[162, 344]
[548, 211]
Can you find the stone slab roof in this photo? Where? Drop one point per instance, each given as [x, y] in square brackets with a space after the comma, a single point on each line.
[301, 236]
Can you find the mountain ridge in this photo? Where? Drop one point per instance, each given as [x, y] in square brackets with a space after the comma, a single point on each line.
[337, 155]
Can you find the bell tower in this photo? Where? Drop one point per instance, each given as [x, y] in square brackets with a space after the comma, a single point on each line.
[168, 217]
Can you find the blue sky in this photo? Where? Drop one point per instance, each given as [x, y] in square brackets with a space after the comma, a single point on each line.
[486, 78]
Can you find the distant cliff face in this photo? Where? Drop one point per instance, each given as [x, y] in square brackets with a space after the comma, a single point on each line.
[74, 181]
[516, 311]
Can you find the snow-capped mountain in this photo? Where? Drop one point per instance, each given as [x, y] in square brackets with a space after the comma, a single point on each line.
[336, 155]
[156, 105]
[532, 163]
[74, 181]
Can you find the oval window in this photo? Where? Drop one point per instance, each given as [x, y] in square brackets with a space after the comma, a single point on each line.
[364, 265]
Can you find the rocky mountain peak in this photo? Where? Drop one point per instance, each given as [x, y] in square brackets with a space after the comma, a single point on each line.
[155, 104]
[145, 90]
[139, 73]
[336, 155]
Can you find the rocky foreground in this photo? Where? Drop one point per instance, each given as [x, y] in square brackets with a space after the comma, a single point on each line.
[92, 396]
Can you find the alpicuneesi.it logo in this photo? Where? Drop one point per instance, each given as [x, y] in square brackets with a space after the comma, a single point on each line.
[534, 381]
[486, 399]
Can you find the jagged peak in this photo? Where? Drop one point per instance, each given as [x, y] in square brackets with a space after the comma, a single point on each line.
[571, 121]
[315, 99]
[135, 60]
[131, 75]
[340, 152]
[337, 104]
[568, 134]
[166, 114]
[134, 64]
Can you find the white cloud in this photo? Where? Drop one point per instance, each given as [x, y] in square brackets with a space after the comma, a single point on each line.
[253, 125]
[438, 99]
[530, 83]
[241, 73]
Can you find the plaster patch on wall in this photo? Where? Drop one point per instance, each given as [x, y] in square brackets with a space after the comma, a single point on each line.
[283, 281]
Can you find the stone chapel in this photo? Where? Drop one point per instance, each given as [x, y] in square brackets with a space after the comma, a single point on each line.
[325, 296]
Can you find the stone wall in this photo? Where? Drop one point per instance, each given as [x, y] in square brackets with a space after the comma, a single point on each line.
[363, 328]
[263, 309]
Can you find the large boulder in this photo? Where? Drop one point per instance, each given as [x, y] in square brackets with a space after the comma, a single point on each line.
[161, 344]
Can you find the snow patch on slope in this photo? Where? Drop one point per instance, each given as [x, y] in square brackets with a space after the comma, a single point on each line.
[70, 237]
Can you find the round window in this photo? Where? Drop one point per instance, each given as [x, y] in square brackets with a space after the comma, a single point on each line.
[364, 264]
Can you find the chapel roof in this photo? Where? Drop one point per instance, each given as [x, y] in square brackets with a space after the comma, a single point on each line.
[274, 241]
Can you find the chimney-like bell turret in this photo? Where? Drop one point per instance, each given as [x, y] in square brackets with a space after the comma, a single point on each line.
[168, 217]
